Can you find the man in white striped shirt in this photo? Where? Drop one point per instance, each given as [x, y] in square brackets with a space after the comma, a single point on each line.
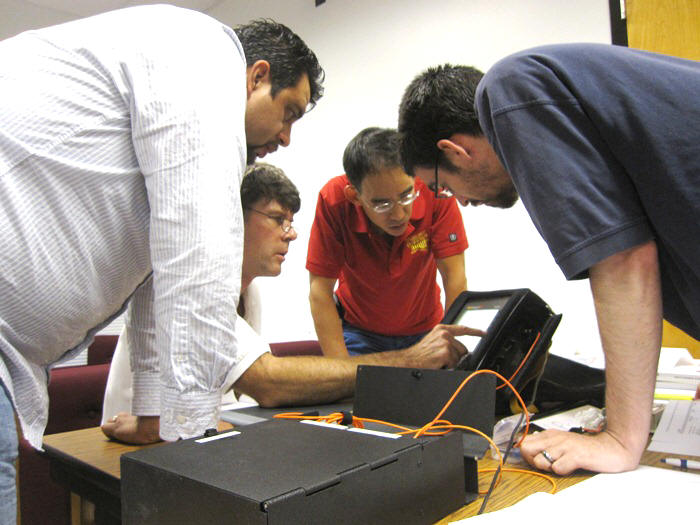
[123, 140]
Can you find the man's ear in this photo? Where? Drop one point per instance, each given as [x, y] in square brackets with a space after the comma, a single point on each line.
[257, 75]
[458, 145]
[351, 194]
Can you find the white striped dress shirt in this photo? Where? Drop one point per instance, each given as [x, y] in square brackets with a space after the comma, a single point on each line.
[122, 147]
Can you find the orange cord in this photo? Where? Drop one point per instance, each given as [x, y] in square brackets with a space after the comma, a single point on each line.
[438, 427]
[522, 471]
[532, 346]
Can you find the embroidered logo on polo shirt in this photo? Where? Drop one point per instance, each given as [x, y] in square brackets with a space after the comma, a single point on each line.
[418, 242]
[452, 237]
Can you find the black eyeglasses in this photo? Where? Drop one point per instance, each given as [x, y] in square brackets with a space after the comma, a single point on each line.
[440, 191]
[283, 222]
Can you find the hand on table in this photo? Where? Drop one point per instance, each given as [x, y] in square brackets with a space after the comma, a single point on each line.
[439, 348]
[570, 451]
[134, 430]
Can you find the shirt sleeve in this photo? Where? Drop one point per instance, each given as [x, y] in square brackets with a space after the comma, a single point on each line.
[138, 341]
[187, 103]
[576, 191]
[448, 236]
[326, 253]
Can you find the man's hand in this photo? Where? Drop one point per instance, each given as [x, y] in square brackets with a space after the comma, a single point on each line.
[439, 348]
[570, 451]
[134, 430]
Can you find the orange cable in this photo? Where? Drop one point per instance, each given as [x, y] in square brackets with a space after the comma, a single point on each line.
[523, 471]
[532, 346]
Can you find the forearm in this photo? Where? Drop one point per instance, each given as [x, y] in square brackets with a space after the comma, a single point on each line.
[452, 290]
[329, 327]
[300, 380]
[454, 277]
[627, 295]
[306, 380]
[297, 380]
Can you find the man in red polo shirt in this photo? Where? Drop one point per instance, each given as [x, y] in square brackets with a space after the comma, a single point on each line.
[382, 235]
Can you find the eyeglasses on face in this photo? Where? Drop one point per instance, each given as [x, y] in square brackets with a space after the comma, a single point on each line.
[441, 192]
[387, 206]
[281, 221]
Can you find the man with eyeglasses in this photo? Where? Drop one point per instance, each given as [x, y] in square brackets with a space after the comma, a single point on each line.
[383, 236]
[269, 201]
[601, 143]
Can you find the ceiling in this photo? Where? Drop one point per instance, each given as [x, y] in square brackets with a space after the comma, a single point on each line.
[91, 7]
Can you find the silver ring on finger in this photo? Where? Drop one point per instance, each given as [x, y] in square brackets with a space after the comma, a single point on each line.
[547, 456]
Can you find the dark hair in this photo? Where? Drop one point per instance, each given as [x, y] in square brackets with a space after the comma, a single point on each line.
[265, 181]
[436, 104]
[370, 152]
[288, 55]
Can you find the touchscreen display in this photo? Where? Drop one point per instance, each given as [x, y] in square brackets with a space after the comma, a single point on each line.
[478, 314]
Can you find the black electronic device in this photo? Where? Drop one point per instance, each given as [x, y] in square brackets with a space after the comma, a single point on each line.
[519, 326]
[289, 472]
[414, 396]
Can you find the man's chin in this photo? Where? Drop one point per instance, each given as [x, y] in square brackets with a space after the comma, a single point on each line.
[505, 200]
[251, 156]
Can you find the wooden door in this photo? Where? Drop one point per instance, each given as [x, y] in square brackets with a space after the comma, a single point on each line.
[671, 27]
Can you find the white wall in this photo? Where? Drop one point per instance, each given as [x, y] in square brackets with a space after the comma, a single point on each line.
[371, 50]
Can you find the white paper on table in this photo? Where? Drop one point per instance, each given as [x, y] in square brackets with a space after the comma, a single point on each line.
[678, 432]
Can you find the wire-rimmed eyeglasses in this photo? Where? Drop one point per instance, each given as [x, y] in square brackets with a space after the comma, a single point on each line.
[441, 192]
[283, 222]
[387, 206]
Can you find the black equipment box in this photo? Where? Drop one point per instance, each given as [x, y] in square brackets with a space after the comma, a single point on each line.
[282, 471]
[413, 397]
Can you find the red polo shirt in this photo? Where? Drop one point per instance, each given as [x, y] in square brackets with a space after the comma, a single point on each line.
[386, 286]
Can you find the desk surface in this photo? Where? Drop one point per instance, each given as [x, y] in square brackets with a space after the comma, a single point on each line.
[91, 451]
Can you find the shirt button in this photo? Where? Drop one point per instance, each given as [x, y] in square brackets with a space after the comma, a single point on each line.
[181, 419]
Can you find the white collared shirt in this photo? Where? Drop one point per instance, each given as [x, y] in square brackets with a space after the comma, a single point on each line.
[119, 389]
[122, 148]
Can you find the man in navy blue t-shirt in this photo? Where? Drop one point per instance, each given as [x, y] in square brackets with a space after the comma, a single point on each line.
[602, 144]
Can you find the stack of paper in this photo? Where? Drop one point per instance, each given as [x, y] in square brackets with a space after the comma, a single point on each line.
[679, 429]
[678, 375]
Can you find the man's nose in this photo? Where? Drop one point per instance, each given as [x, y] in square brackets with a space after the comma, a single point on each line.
[285, 136]
[398, 212]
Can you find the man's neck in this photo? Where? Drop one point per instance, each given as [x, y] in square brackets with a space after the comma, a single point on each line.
[245, 282]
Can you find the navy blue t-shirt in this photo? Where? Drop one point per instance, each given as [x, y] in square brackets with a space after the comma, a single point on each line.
[603, 145]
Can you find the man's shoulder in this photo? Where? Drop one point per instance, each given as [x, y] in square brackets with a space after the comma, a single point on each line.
[333, 192]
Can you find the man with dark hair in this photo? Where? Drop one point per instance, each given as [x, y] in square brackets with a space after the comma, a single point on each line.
[384, 236]
[289, 56]
[601, 143]
[278, 61]
[269, 201]
[123, 141]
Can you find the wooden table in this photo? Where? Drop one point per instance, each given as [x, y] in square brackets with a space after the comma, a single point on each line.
[89, 464]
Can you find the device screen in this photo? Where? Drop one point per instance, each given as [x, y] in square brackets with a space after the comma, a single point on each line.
[478, 314]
